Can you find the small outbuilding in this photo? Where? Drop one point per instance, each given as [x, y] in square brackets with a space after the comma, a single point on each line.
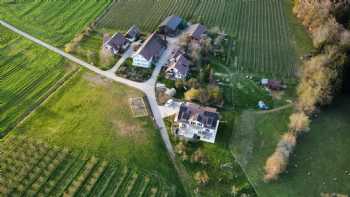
[196, 31]
[133, 33]
[273, 84]
[171, 26]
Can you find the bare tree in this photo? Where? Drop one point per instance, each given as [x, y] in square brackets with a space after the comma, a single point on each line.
[299, 122]
[278, 161]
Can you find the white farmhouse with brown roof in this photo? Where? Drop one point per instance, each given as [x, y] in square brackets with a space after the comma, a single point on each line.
[150, 51]
[197, 122]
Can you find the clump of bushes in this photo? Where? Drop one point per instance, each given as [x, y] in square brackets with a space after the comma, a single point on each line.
[201, 177]
[127, 70]
[278, 161]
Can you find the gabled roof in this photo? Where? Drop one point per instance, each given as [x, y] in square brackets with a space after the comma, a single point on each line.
[117, 40]
[192, 112]
[133, 31]
[172, 22]
[152, 46]
[197, 30]
[181, 63]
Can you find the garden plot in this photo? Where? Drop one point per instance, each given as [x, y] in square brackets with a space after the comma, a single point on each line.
[138, 107]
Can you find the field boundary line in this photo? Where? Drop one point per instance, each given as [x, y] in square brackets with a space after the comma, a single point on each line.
[51, 92]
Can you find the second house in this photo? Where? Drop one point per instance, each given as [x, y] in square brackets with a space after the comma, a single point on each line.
[150, 51]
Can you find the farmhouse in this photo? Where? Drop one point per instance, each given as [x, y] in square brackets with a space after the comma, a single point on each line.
[197, 122]
[133, 33]
[117, 43]
[178, 67]
[196, 31]
[171, 26]
[150, 51]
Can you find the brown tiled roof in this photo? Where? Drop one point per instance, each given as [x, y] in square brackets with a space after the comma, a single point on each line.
[117, 41]
[197, 30]
[153, 46]
[206, 115]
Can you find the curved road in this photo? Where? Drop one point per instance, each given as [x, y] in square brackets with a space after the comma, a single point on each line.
[147, 88]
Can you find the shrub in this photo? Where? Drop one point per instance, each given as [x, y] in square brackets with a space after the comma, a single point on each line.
[201, 177]
[192, 94]
[199, 157]
[299, 122]
[278, 161]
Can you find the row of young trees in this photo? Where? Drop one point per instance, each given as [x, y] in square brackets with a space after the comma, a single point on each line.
[320, 74]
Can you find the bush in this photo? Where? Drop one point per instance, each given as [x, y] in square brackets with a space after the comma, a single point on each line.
[299, 122]
[199, 157]
[201, 177]
[278, 161]
[127, 70]
[192, 95]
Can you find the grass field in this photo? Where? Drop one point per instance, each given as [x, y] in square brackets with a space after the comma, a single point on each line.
[226, 177]
[92, 115]
[33, 168]
[320, 162]
[56, 22]
[89, 50]
[264, 35]
[28, 74]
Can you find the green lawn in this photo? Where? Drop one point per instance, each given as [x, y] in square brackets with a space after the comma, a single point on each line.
[89, 49]
[323, 152]
[92, 115]
[226, 177]
[300, 39]
[56, 22]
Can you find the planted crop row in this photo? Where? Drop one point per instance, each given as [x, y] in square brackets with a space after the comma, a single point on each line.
[147, 14]
[56, 22]
[47, 171]
[263, 41]
[27, 71]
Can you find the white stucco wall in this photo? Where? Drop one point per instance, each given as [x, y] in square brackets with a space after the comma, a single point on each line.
[140, 61]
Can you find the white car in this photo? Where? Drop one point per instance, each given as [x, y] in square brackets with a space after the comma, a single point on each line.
[169, 103]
